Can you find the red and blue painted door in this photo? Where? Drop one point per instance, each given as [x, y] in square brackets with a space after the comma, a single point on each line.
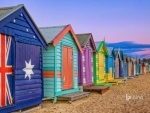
[67, 68]
[6, 63]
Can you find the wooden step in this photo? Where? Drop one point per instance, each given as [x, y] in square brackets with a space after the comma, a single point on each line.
[101, 89]
[73, 96]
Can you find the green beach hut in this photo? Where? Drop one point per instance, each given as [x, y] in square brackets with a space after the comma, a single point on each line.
[60, 61]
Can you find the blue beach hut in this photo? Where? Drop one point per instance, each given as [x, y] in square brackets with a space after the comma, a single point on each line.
[21, 78]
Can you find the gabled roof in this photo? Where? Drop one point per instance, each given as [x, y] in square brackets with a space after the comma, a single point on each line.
[7, 11]
[55, 33]
[119, 53]
[51, 32]
[125, 59]
[84, 38]
[111, 51]
[99, 45]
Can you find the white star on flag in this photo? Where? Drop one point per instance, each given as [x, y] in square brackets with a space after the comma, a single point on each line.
[28, 69]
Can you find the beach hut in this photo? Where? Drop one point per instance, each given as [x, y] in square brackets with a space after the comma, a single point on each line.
[137, 67]
[60, 62]
[148, 67]
[85, 60]
[110, 75]
[121, 64]
[129, 66]
[111, 57]
[21, 78]
[140, 66]
[101, 64]
[143, 68]
[125, 67]
[118, 64]
[134, 66]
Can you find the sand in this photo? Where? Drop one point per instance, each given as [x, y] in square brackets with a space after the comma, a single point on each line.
[113, 101]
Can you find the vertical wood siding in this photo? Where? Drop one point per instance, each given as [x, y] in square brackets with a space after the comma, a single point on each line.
[100, 69]
[67, 41]
[49, 65]
[117, 67]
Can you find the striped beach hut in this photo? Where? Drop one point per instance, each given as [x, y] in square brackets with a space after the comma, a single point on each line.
[129, 66]
[143, 68]
[148, 67]
[111, 57]
[21, 78]
[60, 61]
[140, 66]
[137, 67]
[125, 67]
[132, 67]
[119, 64]
[85, 60]
[110, 76]
[101, 64]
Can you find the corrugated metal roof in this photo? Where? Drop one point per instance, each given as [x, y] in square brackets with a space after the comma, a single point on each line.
[83, 38]
[6, 11]
[51, 32]
[97, 44]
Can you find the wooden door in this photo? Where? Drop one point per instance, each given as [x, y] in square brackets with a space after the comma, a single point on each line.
[67, 68]
[88, 66]
[70, 68]
[101, 66]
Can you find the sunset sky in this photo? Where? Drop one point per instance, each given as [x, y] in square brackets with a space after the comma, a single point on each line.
[119, 21]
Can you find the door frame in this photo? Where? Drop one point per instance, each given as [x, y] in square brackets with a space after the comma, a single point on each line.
[69, 45]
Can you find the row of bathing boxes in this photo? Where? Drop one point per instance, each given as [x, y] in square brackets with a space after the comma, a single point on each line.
[54, 62]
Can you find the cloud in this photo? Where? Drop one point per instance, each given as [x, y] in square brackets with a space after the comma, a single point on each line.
[132, 49]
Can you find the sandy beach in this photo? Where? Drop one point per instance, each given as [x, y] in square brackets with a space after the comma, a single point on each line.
[131, 97]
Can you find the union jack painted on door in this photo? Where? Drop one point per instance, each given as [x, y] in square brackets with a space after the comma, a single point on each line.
[5, 70]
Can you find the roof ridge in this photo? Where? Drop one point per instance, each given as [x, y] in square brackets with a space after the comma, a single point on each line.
[11, 6]
[54, 26]
[84, 34]
[13, 9]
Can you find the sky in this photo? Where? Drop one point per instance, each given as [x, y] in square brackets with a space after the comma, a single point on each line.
[119, 21]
